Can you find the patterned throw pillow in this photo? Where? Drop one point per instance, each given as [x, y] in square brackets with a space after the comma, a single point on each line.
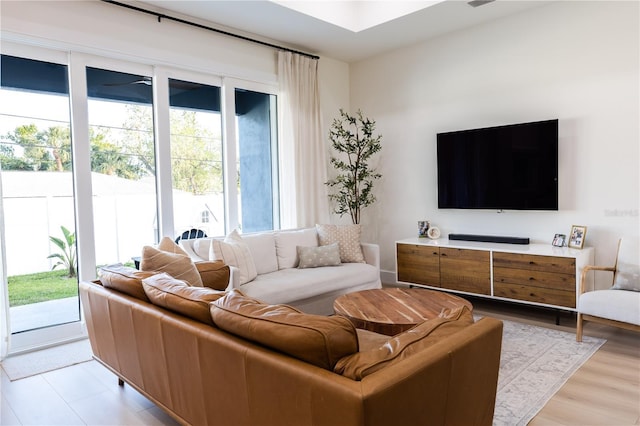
[348, 239]
[235, 252]
[314, 257]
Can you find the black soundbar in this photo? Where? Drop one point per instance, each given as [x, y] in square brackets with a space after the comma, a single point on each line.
[489, 238]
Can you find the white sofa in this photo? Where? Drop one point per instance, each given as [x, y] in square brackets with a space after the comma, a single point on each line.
[279, 280]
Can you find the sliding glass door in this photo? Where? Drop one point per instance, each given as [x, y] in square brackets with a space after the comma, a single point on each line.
[37, 194]
[123, 166]
[109, 156]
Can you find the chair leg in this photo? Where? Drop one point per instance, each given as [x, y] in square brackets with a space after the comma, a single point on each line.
[579, 328]
[120, 382]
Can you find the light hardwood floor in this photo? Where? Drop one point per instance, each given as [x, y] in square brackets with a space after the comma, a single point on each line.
[604, 391]
[606, 388]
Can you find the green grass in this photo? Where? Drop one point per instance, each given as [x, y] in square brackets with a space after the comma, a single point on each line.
[40, 287]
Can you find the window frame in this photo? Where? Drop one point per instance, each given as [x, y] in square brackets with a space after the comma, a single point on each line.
[76, 63]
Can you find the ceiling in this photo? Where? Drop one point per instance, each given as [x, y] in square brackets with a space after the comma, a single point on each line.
[415, 21]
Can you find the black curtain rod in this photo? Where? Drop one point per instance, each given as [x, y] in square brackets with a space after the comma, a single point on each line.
[161, 16]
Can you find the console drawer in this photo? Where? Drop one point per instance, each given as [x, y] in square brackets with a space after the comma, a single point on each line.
[562, 265]
[550, 296]
[534, 278]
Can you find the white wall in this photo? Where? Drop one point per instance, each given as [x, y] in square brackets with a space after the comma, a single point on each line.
[107, 30]
[575, 61]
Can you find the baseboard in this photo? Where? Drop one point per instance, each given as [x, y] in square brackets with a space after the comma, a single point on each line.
[388, 277]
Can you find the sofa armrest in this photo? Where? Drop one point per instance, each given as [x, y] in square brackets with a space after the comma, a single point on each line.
[371, 254]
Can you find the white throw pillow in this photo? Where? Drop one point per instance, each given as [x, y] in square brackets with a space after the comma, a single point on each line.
[627, 277]
[348, 239]
[263, 250]
[202, 247]
[314, 257]
[287, 243]
[233, 251]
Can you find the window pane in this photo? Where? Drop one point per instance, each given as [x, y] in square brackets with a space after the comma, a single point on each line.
[196, 157]
[257, 165]
[37, 194]
[122, 164]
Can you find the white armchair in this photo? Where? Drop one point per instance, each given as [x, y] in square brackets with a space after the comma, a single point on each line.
[619, 305]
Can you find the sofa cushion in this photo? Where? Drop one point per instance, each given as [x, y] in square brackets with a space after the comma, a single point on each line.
[406, 344]
[235, 252]
[263, 251]
[347, 237]
[170, 258]
[201, 247]
[292, 284]
[617, 305]
[214, 274]
[287, 243]
[314, 257]
[316, 339]
[176, 295]
[124, 279]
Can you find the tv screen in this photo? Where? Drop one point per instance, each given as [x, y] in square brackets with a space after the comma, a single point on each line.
[513, 167]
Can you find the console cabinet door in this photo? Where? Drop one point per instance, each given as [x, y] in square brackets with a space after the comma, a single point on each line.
[418, 264]
[542, 279]
[465, 270]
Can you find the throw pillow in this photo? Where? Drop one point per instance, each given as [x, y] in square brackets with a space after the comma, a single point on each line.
[314, 257]
[234, 252]
[316, 339]
[348, 239]
[215, 274]
[170, 258]
[124, 279]
[170, 246]
[176, 295]
[202, 247]
[361, 364]
[627, 277]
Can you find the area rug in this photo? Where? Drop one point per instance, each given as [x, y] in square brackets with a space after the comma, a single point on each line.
[38, 362]
[535, 362]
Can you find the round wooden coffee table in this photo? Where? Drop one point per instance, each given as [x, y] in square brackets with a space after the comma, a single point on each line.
[393, 310]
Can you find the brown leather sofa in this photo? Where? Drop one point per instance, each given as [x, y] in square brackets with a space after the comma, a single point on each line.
[203, 375]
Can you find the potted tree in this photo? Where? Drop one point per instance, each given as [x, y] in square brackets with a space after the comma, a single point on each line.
[353, 140]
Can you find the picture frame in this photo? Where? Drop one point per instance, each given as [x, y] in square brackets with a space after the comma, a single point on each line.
[423, 228]
[559, 240]
[577, 236]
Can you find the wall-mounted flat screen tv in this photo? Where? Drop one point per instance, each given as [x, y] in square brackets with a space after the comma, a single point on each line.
[512, 167]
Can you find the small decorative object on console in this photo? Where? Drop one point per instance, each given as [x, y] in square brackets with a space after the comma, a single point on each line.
[577, 236]
[423, 228]
[434, 233]
[559, 240]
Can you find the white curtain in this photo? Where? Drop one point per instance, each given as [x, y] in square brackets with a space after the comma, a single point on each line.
[303, 158]
[4, 286]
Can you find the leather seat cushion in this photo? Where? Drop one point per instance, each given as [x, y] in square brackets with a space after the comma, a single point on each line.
[176, 295]
[316, 339]
[124, 279]
[361, 364]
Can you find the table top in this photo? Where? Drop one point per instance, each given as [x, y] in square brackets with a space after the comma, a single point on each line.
[393, 310]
